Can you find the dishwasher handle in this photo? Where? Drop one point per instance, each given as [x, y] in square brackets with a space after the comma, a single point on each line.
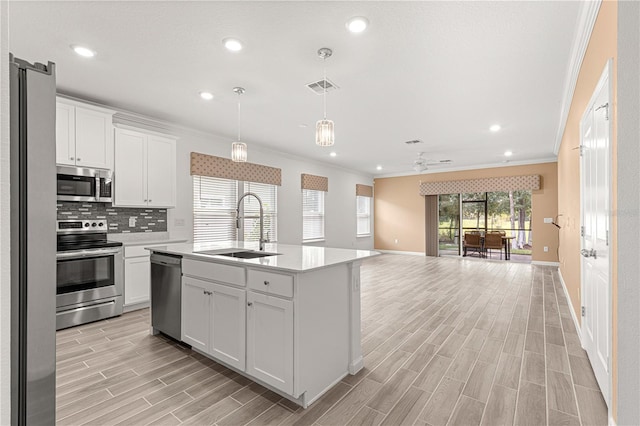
[163, 259]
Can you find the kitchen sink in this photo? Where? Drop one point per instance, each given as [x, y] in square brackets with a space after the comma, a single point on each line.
[248, 254]
[241, 254]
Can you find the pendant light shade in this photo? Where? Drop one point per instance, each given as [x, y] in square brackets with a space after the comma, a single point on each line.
[239, 152]
[238, 148]
[324, 132]
[324, 128]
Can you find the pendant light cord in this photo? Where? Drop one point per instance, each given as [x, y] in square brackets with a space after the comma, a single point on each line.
[324, 92]
[239, 116]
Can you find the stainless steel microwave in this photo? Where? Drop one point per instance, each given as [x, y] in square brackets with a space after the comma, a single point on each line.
[82, 184]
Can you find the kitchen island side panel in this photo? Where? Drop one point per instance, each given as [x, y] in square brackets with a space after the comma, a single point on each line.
[322, 317]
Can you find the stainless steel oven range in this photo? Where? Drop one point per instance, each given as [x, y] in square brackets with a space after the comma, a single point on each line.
[90, 274]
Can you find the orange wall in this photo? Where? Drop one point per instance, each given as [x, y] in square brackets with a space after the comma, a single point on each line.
[399, 209]
[602, 46]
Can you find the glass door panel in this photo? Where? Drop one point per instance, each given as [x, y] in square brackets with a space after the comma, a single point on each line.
[449, 224]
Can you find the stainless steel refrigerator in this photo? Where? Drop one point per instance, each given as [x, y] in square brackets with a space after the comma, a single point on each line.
[33, 243]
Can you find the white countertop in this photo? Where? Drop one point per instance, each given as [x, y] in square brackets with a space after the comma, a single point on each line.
[291, 258]
[145, 238]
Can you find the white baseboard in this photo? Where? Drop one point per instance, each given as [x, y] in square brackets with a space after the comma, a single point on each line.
[612, 422]
[543, 263]
[413, 253]
[573, 313]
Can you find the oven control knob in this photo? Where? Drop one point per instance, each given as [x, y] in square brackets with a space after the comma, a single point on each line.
[86, 225]
[100, 223]
[94, 224]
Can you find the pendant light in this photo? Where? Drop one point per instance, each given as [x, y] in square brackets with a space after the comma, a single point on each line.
[324, 127]
[238, 148]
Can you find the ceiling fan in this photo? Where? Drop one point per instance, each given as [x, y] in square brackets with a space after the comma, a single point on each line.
[420, 164]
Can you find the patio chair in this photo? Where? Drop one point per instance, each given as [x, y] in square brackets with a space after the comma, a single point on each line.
[473, 242]
[493, 241]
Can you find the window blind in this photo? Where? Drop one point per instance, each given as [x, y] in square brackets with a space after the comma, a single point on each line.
[214, 210]
[214, 205]
[269, 196]
[312, 214]
[363, 215]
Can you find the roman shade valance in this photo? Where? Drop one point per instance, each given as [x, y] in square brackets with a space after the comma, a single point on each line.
[364, 190]
[504, 183]
[316, 183]
[218, 167]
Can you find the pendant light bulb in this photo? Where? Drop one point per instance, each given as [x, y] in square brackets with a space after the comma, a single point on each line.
[238, 148]
[324, 128]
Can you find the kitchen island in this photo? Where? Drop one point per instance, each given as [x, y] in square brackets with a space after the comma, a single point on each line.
[287, 317]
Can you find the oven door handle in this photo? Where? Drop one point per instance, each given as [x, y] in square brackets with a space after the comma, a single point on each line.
[86, 253]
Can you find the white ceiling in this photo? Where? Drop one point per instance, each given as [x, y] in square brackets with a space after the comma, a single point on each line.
[441, 72]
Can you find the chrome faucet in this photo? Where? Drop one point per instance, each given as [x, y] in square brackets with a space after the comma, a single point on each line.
[238, 217]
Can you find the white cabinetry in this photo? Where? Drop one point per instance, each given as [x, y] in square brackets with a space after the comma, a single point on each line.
[144, 170]
[137, 276]
[213, 315]
[84, 135]
[270, 340]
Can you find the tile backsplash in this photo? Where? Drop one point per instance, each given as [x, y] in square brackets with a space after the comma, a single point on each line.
[119, 219]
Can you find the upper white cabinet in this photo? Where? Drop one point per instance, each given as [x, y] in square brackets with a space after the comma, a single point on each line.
[84, 135]
[144, 170]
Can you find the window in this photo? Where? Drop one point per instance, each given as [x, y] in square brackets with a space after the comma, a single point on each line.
[363, 215]
[312, 215]
[214, 210]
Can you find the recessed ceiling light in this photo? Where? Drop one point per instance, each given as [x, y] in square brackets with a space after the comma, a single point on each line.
[508, 153]
[232, 44]
[206, 96]
[333, 154]
[302, 126]
[495, 128]
[357, 24]
[378, 167]
[83, 51]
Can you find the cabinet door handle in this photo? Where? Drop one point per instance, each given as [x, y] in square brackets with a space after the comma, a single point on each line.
[79, 159]
[150, 200]
[250, 304]
[70, 158]
[266, 282]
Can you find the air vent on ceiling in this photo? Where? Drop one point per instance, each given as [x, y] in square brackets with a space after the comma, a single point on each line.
[413, 142]
[445, 161]
[318, 87]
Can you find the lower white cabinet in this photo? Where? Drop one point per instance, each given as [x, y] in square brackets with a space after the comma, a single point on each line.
[213, 320]
[270, 340]
[137, 280]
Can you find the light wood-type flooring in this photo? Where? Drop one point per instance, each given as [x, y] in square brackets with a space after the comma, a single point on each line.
[446, 342]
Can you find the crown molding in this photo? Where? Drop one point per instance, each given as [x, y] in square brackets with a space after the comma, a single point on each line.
[586, 21]
[471, 167]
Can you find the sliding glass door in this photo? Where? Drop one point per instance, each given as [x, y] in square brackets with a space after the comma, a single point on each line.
[449, 224]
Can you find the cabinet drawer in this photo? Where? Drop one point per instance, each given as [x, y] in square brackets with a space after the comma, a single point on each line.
[214, 272]
[269, 282]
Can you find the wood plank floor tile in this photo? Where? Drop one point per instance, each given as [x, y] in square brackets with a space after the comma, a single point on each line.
[480, 381]
[211, 415]
[490, 352]
[534, 342]
[532, 408]
[508, 372]
[560, 393]
[557, 359]
[319, 408]
[501, 407]
[122, 412]
[250, 410]
[430, 377]
[514, 344]
[533, 369]
[366, 417]
[389, 366]
[348, 406]
[408, 408]
[582, 372]
[462, 365]
[392, 390]
[468, 412]
[442, 402]
[593, 410]
[557, 418]
[273, 416]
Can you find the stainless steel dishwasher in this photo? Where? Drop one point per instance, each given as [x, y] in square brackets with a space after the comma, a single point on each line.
[166, 294]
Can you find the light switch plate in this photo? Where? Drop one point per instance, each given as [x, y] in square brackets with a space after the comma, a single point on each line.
[132, 221]
[548, 220]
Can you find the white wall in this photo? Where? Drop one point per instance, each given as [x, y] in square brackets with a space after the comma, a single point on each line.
[5, 243]
[628, 213]
[340, 201]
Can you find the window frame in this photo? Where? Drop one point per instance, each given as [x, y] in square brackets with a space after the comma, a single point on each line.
[368, 215]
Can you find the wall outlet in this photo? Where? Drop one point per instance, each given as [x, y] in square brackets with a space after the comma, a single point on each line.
[548, 220]
[396, 241]
[546, 249]
[132, 221]
[178, 222]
